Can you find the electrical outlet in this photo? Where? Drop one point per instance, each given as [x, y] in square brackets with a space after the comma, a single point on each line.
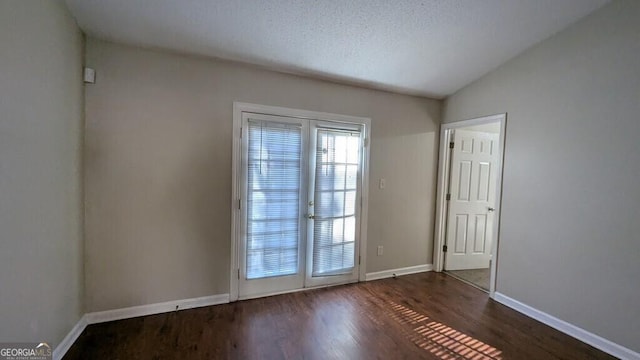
[382, 184]
[380, 250]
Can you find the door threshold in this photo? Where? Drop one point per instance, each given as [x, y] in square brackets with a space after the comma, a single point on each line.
[275, 293]
[466, 281]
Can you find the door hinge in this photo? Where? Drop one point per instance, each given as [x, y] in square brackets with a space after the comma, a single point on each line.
[359, 259]
[240, 132]
[451, 145]
[444, 248]
[239, 203]
[448, 197]
[238, 274]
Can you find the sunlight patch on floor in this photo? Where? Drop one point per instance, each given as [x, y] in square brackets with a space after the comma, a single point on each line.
[441, 340]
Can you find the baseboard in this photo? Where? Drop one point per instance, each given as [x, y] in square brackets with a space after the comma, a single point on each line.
[157, 308]
[585, 336]
[71, 337]
[131, 312]
[397, 272]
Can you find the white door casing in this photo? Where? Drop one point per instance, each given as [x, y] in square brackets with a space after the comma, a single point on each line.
[474, 162]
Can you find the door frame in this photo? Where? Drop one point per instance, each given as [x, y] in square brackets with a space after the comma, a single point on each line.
[444, 165]
[236, 176]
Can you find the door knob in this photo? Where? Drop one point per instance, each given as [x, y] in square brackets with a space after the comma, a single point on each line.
[311, 216]
[491, 209]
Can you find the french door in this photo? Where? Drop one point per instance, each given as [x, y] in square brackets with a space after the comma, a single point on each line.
[300, 192]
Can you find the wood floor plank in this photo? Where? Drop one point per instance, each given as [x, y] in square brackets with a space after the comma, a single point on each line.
[421, 316]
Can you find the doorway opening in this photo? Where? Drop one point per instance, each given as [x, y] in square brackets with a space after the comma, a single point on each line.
[468, 199]
[300, 200]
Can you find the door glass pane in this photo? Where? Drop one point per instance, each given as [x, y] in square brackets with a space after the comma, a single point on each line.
[336, 174]
[273, 199]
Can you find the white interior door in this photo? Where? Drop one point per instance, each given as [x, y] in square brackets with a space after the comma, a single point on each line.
[472, 200]
[300, 204]
[334, 193]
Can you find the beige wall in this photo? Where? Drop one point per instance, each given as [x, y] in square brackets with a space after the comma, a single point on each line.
[40, 156]
[158, 170]
[570, 243]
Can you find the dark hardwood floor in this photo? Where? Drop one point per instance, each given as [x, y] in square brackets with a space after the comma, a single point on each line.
[422, 316]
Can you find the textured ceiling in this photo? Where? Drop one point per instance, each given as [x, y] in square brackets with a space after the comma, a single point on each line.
[425, 47]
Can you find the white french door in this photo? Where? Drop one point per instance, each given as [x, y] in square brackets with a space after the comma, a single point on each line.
[272, 198]
[334, 195]
[300, 192]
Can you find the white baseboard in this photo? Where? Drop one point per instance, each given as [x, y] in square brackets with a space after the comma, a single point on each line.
[71, 337]
[157, 308]
[131, 312]
[585, 336]
[397, 272]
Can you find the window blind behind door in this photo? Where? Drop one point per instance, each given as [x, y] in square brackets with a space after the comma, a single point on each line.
[273, 199]
[336, 182]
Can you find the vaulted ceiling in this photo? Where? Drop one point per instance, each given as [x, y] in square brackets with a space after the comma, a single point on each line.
[424, 47]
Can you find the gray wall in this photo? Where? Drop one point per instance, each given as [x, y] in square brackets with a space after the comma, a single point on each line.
[158, 170]
[40, 171]
[570, 243]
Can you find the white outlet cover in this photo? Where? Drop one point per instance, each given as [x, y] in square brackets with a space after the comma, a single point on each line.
[89, 75]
